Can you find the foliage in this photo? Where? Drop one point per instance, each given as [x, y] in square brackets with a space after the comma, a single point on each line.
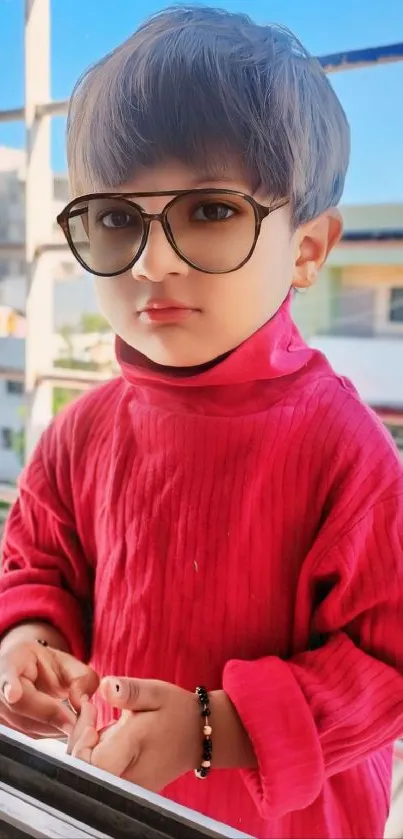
[93, 322]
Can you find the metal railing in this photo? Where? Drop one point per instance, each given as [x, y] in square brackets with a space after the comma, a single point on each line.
[44, 795]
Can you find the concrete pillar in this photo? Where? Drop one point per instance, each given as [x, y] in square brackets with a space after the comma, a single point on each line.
[38, 219]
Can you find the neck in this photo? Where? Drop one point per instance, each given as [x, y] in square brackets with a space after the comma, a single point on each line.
[140, 360]
[234, 384]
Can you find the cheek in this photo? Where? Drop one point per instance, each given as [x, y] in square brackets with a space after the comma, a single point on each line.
[259, 288]
[273, 253]
[113, 296]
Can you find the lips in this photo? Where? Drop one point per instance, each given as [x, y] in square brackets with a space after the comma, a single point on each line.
[161, 305]
[165, 311]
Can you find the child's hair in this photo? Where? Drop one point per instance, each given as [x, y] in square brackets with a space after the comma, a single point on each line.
[205, 86]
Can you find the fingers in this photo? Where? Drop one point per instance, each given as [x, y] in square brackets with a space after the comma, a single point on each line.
[133, 694]
[84, 746]
[110, 749]
[80, 679]
[28, 727]
[87, 719]
[43, 709]
[34, 662]
[85, 685]
[116, 749]
[34, 680]
[20, 661]
[10, 687]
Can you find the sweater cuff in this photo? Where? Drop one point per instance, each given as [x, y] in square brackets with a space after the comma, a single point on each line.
[279, 723]
[48, 604]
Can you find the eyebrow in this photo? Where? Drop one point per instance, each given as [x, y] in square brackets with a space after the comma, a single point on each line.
[215, 176]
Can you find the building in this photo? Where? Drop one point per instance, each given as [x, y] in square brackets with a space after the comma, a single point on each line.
[13, 291]
[11, 409]
[88, 351]
[355, 313]
[12, 229]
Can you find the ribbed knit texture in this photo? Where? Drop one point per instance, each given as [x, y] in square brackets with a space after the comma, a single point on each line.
[240, 528]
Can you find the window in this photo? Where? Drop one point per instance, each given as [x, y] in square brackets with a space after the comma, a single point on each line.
[6, 438]
[396, 305]
[14, 388]
[397, 434]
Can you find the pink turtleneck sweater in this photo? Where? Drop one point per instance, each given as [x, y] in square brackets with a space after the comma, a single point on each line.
[240, 528]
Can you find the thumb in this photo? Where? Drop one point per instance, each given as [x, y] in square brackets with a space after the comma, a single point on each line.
[132, 694]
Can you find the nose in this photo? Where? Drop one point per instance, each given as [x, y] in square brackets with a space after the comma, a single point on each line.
[158, 260]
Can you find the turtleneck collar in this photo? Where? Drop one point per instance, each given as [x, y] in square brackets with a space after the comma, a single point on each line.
[232, 385]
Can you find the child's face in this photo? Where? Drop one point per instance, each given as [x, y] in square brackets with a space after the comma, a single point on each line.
[222, 310]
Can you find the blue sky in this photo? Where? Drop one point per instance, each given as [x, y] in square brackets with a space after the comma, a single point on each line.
[83, 30]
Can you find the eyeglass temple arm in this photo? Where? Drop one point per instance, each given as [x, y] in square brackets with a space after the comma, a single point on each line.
[62, 217]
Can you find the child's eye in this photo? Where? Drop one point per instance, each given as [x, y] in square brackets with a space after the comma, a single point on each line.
[116, 219]
[213, 212]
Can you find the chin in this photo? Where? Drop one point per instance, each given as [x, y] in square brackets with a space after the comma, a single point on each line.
[178, 356]
[179, 361]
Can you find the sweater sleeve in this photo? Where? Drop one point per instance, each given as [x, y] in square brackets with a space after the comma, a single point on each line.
[327, 708]
[45, 575]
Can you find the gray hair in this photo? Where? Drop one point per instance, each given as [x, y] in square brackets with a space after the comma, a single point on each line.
[205, 86]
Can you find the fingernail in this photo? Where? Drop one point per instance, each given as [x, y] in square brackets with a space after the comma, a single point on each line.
[114, 689]
[7, 691]
[111, 686]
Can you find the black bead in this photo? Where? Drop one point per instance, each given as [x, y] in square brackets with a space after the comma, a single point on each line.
[205, 713]
[202, 694]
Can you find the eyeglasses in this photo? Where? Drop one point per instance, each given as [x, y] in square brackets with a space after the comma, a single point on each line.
[212, 230]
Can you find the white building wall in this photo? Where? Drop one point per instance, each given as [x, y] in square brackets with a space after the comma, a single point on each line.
[11, 410]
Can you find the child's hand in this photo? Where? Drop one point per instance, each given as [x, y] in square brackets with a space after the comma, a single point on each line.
[34, 681]
[85, 735]
[152, 744]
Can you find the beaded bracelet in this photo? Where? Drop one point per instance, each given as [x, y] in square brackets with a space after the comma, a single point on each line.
[204, 703]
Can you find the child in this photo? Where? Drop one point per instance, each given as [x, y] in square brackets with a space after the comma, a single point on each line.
[228, 509]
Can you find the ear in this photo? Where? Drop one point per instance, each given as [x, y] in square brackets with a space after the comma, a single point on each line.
[315, 241]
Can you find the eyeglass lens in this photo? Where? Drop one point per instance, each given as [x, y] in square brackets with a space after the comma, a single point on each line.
[214, 232]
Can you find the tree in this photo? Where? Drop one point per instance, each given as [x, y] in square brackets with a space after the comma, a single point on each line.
[76, 364]
[89, 322]
[93, 322]
[18, 438]
[62, 396]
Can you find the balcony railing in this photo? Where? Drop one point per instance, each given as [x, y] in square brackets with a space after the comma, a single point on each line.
[43, 795]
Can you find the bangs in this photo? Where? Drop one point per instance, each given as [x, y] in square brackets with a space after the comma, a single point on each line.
[126, 132]
[184, 98]
[211, 89]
